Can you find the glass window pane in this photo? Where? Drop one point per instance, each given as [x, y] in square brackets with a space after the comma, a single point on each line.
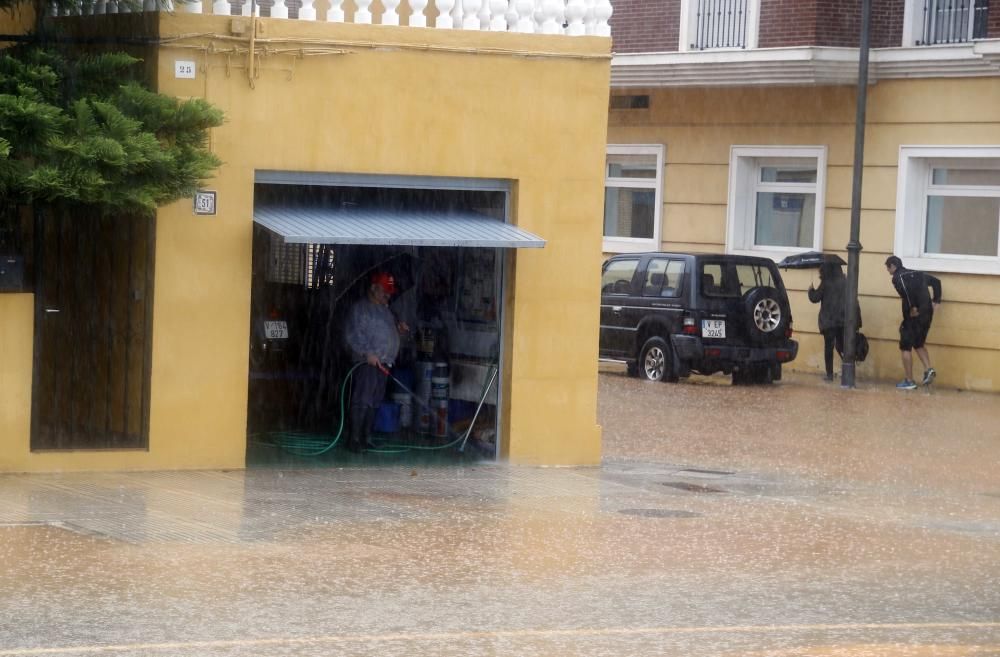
[716, 281]
[979, 177]
[632, 166]
[672, 282]
[784, 219]
[788, 174]
[962, 225]
[617, 277]
[751, 276]
[655, 277]
[629, 212]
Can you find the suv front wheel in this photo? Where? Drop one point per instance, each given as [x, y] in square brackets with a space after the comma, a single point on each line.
[656, 361]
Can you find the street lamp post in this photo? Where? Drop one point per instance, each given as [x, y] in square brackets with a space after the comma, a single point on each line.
[854, 245]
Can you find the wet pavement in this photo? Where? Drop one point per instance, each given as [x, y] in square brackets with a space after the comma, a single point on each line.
[800, 519]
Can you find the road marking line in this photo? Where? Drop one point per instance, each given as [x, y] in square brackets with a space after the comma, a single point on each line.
[504, 634]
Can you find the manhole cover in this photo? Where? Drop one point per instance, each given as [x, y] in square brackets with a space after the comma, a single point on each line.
[660, 513]
[692, 488]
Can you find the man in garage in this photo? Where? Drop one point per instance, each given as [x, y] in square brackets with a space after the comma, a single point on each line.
[372, 333]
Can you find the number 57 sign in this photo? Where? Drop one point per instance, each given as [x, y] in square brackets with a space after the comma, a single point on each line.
[204, 202]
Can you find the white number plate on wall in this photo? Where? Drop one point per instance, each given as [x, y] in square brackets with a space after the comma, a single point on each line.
[713, 328]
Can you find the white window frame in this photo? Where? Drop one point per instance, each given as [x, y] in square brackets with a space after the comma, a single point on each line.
[744, 176]
[913, 22]
[636, 244]
[913, 184]
[689, 26]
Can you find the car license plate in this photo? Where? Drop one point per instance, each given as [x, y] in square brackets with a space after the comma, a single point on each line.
[276, 330]
[713, 328]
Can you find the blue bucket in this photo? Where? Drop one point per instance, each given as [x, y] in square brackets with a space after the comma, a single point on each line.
[387, 418]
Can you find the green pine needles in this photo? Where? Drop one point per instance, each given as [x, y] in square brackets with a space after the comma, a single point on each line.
[81, 131]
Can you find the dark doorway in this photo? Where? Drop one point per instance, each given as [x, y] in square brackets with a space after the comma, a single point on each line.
[93, 311]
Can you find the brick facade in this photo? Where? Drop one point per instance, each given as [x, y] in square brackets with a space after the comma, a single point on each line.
[645, 25]
[835, 23]
[993, 22]
[654, 25]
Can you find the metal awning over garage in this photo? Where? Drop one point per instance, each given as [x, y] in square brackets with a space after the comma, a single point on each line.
[375, 226]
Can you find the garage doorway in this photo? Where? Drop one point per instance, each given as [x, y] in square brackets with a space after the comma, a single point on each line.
[316, 245]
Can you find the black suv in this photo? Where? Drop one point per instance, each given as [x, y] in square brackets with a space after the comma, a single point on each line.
[667, 315]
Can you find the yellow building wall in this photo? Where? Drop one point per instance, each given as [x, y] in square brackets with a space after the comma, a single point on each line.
[528, 108]
[16, 331]
[698, 127]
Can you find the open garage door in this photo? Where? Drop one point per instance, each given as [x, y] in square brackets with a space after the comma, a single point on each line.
[315, 250]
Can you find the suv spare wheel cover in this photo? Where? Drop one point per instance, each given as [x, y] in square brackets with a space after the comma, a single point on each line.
[766, 315]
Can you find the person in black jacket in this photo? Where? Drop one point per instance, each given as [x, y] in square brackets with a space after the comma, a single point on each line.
[831, 295]
[918, 311]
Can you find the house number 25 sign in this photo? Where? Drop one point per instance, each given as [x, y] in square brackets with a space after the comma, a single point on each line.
[204, 202]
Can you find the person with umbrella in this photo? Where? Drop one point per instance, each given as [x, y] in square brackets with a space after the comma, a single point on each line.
[831, 295]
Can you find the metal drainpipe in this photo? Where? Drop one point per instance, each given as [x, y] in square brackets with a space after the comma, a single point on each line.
[854, 245]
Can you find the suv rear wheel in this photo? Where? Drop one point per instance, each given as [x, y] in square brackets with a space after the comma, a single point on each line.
[655, 361]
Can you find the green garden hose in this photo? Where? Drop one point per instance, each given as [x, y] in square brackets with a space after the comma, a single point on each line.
[317, 444]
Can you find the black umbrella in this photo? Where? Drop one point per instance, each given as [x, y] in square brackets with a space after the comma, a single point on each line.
[810, 260]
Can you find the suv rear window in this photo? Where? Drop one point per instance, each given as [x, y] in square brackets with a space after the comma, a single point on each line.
[617, 277]
[720, 279]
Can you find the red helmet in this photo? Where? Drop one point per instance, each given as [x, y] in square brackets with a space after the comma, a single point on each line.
[384, 280]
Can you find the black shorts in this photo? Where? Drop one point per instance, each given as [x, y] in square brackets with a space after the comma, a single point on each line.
[913, 332]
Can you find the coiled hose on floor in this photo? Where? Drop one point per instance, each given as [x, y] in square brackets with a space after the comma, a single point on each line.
[316, 444]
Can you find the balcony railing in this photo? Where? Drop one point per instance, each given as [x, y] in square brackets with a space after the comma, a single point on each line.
[571, 17]
[720, 24]
[953, 21]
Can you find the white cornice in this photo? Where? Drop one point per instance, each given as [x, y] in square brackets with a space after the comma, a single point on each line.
[810, 65]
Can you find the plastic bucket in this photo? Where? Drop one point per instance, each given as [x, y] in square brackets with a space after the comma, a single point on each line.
[405, 404]
[387, 418]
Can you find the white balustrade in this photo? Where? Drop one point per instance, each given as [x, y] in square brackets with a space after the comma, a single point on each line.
[498, 23]
[570, 17]
[417, 17]
[576, 12]
[335, 13]
[471, 10]
[511, 15]
[444, 8]
[484, 15]
[363, 14]
[389, 15]
[602, 13]
[550, 14]
[525, 10]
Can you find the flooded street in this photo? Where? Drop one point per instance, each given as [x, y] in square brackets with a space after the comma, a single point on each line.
[791, 520]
